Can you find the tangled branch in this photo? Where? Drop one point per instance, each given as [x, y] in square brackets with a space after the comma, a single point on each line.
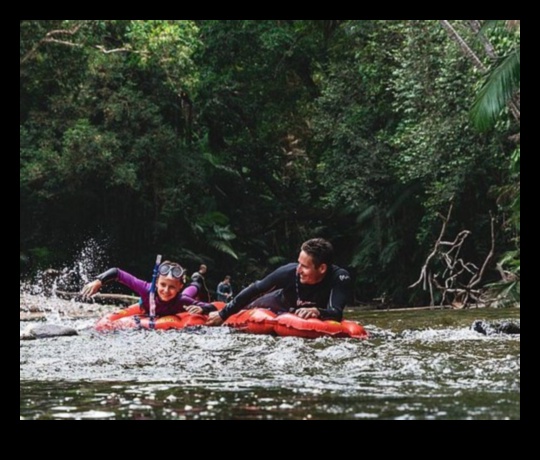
[62, 37]
[450, 282]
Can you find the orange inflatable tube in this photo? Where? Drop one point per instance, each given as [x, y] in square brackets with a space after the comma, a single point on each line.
[134, 317]
[263, 321]
[254, 321]
[289, 324]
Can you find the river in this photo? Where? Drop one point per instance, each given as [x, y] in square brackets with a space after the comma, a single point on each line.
[417, 365]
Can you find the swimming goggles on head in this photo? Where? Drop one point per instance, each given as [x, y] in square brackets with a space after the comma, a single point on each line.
[173, 270]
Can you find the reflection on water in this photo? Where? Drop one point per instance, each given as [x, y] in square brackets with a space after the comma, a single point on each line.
[417, 365]
[158, 401]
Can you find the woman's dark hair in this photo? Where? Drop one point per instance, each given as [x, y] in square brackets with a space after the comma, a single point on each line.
[320, 250]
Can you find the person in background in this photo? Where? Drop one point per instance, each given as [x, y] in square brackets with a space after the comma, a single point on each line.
[197, 287]
[169, 297]
[224, 290]
[313, 287]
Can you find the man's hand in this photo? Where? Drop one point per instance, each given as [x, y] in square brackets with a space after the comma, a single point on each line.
[194, 309]
[214, 319]
[308, 313]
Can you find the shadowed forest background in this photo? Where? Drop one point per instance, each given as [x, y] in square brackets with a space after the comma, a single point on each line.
[229, 142]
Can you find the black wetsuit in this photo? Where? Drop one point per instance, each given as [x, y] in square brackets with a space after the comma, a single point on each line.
[281, 291]
[197, 280]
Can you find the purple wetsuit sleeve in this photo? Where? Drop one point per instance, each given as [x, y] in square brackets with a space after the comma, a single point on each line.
[135, 284]
[191, 291]
[186, 301]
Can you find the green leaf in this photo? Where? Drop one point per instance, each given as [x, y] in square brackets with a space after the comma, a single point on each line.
[500, 86]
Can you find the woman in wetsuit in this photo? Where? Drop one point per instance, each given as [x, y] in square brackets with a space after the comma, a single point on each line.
[169, 297]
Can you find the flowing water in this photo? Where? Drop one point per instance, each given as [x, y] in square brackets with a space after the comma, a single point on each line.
[417, 365]
[435, 372]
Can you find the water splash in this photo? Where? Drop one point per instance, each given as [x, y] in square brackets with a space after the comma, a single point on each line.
[89, 260]
[43, 292]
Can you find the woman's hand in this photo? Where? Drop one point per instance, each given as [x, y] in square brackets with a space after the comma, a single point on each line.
[91, 288]
[214, 319]
[194, 309]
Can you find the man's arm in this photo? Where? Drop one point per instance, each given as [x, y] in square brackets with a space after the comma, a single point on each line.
[275, 280]
[339, 296]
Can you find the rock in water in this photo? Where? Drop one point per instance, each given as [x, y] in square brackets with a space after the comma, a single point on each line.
[41, 331]
[504, 327]
[480, 326]
[510, 327]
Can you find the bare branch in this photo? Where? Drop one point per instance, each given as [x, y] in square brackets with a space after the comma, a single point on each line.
[452, 282]
[454, 35]
[71, 31]
[114, 50]
[423, 272]
[61, 42]
[49, 38]
[488, 47]
[52, 37]
[490, 51]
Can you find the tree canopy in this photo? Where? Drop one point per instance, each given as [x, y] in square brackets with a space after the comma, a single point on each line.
[230, 142]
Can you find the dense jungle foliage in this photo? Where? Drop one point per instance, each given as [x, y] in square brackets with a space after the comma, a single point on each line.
[229, 142]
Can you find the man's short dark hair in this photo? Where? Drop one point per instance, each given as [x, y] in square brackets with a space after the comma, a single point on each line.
[320, 250]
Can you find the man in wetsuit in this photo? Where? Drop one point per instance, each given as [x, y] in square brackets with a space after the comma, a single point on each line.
[311, 288]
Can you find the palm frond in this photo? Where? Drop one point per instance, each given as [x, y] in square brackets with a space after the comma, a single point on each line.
[504, 293]
[223, 247]
[500, 86]
[223, 233]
